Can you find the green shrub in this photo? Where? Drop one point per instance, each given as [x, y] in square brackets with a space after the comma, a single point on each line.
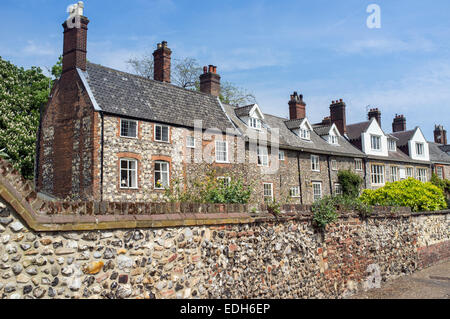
[324, 211]
[355, 204]
[408, 193]
[350, 182]
[3, 154]
[274, 207]
[210, 190]
[443, 184]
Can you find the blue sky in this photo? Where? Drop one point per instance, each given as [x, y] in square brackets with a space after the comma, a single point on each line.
[322, 49]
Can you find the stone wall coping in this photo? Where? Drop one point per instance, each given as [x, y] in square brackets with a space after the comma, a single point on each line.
[41, 215]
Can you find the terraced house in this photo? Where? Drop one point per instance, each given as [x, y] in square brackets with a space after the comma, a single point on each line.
[108, 135]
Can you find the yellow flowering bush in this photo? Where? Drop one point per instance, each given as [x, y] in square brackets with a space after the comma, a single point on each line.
[407, 193]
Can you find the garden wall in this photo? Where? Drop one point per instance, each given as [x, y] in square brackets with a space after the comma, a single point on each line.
[112, 250]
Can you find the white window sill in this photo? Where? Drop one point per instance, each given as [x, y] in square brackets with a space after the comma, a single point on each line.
[129, 137]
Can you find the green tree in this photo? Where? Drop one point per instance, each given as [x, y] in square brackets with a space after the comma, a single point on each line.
[57, 68]
[22, 92]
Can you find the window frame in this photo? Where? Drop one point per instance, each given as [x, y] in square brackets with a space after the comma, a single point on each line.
[320, 195]
[254, 123]
[305, 134]
[266, 155]
[218, 152]
[421, 178]
[420, 146]
[188, 138]
[392, 145]
[226, 180]
[162, 134]
[334, 140]
[378, 175]
[264, 191]
[338, 189]
[294, 192]
[313, 163]
[281, 158]
[334, 165]
[161, 172]
[411, 170]
[130, 121]
[378, 139]
[396, 170]
[441, 168]
[358, 165]
[129, 170]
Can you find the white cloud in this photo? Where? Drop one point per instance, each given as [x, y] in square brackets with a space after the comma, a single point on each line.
[42, 49]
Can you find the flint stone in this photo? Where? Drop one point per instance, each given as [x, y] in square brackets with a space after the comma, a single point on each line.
[5, 220]
[16, 226]
[124, 262]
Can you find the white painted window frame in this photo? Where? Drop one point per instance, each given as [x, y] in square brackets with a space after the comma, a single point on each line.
[129, 171]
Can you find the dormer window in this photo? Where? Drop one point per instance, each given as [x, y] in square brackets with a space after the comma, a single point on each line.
[332, 139]
[305, 134]
[392, 145]
[254, 123]
[419, 149]
[375, 142]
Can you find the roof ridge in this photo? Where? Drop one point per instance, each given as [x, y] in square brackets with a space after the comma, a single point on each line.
[151, 80]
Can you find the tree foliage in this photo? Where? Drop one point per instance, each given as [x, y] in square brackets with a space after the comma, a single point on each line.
[22, 92]
[186, 73]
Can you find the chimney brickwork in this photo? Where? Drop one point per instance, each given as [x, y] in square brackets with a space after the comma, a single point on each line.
[75, 44]
[162, 60]
[297, 107]
[440, 135]
[375, 113]
[399, 123]
[338, 115]
[210, 81]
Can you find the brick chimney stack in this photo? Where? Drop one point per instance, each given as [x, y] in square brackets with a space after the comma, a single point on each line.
[399, 124]
[297, 108]
[210, 81]
[440, 135]
[162, 60]
[75, 41]
[375, 113]
[338, 115]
